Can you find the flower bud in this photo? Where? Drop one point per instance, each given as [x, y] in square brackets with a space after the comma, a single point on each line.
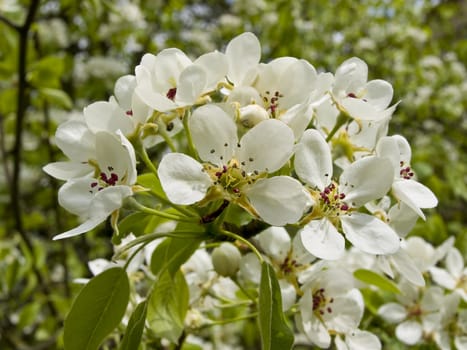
[226, 259]
[252, 114]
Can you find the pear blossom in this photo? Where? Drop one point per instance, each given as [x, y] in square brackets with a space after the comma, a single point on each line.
[330, 304]
[358, 340]
[414, 312]
[170, 80]
[94, 198]
[366, 179]
[405, 188]
[235, 170]
[454, 275]
[359, 98]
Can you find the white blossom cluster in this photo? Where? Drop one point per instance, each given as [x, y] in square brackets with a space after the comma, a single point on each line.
[304, 153]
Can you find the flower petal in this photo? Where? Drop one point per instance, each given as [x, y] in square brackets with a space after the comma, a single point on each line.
[76, 195]
[183, 179]
[266, 147]
[321, 238]
[191, 84]
[313, 161]
[76, 140]
[378, 93]
[350, 76]
[275, 242]
[123, 90]
[362, 340]
[366, 179]
[148, 94]
[215, 65]
[107, 116]
[392, 312]
[243, 54]
[407, 268]
[279, 200]
[67, 170]
[370, 234]
[409, 332]
[214, 134]
[415, 195]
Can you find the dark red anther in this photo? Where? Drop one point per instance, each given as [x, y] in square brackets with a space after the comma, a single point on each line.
[103, 177]
[94, 184]
[129, 113]
[342, 196]
[351, 94]
[344, 207]
[171, 93]
[236, 190]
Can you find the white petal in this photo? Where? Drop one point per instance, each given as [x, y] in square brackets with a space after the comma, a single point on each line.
[148, 94]
[415, 195]
[107, 116]
[360, 109]
[379, 93]
[191, 85]
[266, 147]
[298, 118]
[366, 179]
[113, 157]
[123, 90]
[275, 242]
[392, 312]
[455, 262]
[243, 53]
[168, 66]
[350, 76]
[443, 278]
[76, 140]
[322, 239]
[183, 179]
[279, 200]
[407, 268]
[362, 340]
[76, 195]
[344, 316]
[294, 83]
[214, 134]
[215, 65]
[409, 332]
[370, 234]
[67, 170]
[101, 206]
[402, 218]
[313, 161]
[288, 294]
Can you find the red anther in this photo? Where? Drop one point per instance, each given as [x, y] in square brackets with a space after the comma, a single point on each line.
[129, 113]
[344, 207]
[94, 184]
[351, 94]
[171, 93]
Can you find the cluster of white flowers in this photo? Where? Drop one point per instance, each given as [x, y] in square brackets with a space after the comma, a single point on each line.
[295, 164]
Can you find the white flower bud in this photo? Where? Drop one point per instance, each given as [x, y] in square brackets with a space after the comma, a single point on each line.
[226, 259]
[252, 114]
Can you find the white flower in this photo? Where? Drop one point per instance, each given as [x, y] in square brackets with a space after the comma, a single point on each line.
[454, 276]
[94, 198]
[171, 80]
[358, 340]
[405, 188]
[329, 304]
[360, 99]
[413, 313]
[236, 170]
[366, 179]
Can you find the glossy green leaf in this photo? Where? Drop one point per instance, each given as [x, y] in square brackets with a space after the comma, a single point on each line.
[172, 253]
[376, 279]
[97, 310]
[168, 305]
[134, 330]
[149, 180]
[274, 331]
[135, 223]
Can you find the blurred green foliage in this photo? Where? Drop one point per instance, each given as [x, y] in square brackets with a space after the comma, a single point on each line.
[75, 50]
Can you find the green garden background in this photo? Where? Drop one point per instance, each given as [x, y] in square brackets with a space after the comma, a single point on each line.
[56, 57]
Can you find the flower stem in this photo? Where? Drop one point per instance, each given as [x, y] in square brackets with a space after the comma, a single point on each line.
[162, 214]
[230, 320]
[244, 241]
[191, 146]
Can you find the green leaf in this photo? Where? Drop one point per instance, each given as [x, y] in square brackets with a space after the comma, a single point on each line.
[46, 72]
[150, 181]
[135, 223]
[134, 330]
[274, 331]
[172, 253]
[377, 280]
[56, 97]
[97, 310]
[168, 305]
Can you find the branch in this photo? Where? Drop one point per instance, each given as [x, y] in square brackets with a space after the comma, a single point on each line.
[10, 23]
[21, 103]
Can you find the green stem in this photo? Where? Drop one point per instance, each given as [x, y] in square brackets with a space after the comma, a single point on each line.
[161, 130]
[230, 320]
[341, 120]
[191, 146]
[162, 214]
[244, 241]
[144, 156]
